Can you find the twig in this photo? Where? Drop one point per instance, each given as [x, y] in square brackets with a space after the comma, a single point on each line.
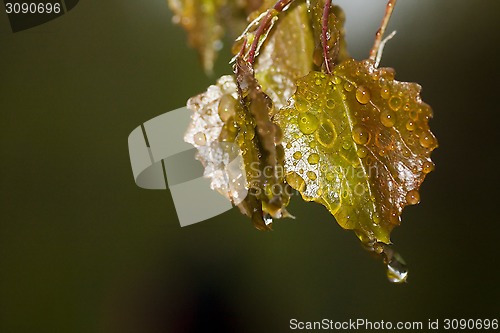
[380, 32]
[264, 25]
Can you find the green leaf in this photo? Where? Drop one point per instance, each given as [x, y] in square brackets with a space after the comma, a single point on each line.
[358, 142]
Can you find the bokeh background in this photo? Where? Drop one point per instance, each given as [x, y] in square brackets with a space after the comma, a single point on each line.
[83, 249]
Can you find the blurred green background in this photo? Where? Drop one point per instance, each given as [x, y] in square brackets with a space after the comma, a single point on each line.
[83, 249]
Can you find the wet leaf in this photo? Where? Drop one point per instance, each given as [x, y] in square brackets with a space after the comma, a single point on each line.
[222, 160]
[336, 45]
[199, 19]
[260, 141]
[240, 147]
[286, 55]
[358, 142]
[206, 22]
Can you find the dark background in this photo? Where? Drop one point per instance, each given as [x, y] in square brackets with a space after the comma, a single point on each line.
[83, 249]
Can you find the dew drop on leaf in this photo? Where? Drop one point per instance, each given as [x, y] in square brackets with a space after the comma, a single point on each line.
[388, 118]
[363, 94]
[413, 197]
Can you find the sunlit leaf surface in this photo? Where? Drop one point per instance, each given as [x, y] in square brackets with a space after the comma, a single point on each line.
[358, 142]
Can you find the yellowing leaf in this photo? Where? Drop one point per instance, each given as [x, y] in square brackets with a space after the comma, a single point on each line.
[358, 142]
[199, 19]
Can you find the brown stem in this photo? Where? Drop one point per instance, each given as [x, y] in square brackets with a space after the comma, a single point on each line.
[324, 37]
[264, 25]
[380, 32]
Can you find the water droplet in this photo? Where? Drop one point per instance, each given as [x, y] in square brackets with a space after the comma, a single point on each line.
[297, 155]
[348, 86]
[413, 114]
[311, 175]
[330, 176]
[410, 125]
[397, 271]
[313, 158]
[427, 167]
[384, 92]
[200, 139]
[302, 105]
[346, 144]
[313, 144]
[407, 106]
[360, 134]
[288, 145]
[295, 181]
[317, 82]
[337, 80]
[376, 218]
[362, 152]
[308, 123]
[267, 219]
[249, 133]
[427, 140]
[395, 103]
[326, 134]
[394, 218]
[413, 197]
[226, 108]
[330, 103]
[363, 94]
[388, 118]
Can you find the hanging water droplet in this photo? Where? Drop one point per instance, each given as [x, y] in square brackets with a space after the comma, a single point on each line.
[413, 197]
[267, 219]
[397, 271]
[427, 139]
[427, 166]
